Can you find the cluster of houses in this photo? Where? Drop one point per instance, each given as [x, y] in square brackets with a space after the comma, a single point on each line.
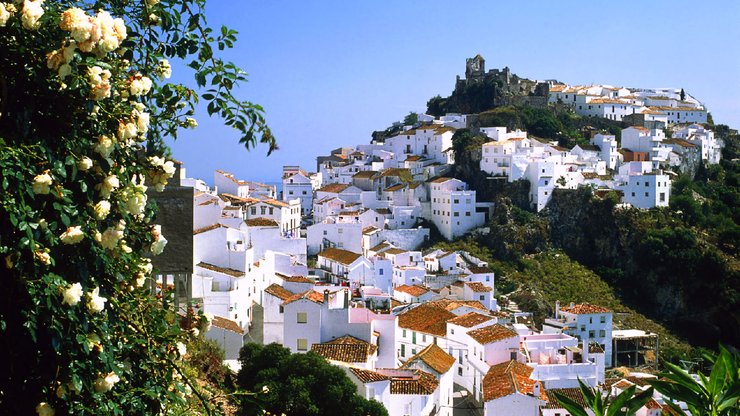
[664, 105]
[639, 169]
[331, 264]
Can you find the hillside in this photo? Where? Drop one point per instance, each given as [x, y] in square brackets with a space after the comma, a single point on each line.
[673, 271]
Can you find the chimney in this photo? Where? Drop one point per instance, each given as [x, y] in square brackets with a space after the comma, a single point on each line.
[346, 298]
[326, 297]
[557, 309]
[536, 389]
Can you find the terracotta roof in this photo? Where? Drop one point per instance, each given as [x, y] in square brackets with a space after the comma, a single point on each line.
[311, 295]
[224, 270]
[370, 229]
[340, 256]
[426, 318]
[652, 404]
[350, 213]
[434, 357]
[470, 319]
[382, 211]
[227, 324]
[261, 222]
[208, 228]
[492, 333]
[680, 142]
[294, 279]
[395, 187]
[380, 246]
[478, 287]
[413, 158]
[420, 383]
[571, 393]
[508, 378]
[451, 305]
[584, 309]
[367, 376]
[278, 291]
[558, 87]
[275, 202]
[365, 174]
[414, 290]
[440, 180]
[395, 172]
[237, 199]
[478, 269]
[334, 188]
[347, 349]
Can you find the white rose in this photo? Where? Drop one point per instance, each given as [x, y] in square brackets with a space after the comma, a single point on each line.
[105, 383]
[44, 409]
[158, 245]
[126, 131]
[4, 15]
[96, 303]
[43, 257]
[42, 184]
[72, 294]
[136, 199]
[32, 12]
[163, 69]
[102, 209]
[64, 71]
[140, 279]
[109, 184]
[84, 164]
[265, 389]
[190, 123]
[181, 349]
[105, 146]
[142, 122]
[110, 238]
[73, 235]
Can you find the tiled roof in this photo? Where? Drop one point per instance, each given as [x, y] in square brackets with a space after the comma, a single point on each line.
[421, 383]
[275, 202]
[350, 213]
[346, 349]
[426, 318]
[584, 309]
[440, 180]
[208, 228]
[311, 295]
[478, 287]
[492, 333]
[451, 305]
[413, 158]
[414, 290]
[340, 256]
[227, 324]
[224, 270]
[395, 187]
[237, 199]
[279, 291]
[508, 378]
[434, 357]
[365, 174]
[370, 229]
[558, 88]
[334, 188]
[470, 319]
[294, 279]
[571, 393]
[261, 222]
[380, 246]
[395, 251]
[479, 270]
[367, 376]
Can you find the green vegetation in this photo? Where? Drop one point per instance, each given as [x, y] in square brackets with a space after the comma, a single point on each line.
[411, 119]
[299, 384]
[625, 403]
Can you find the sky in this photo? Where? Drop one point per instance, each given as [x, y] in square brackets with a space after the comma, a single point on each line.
[328, 73]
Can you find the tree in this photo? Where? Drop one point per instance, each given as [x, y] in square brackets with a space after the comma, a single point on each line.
[411, 119]
[626, 403]
[437, 106]
[85, 107]
[716, 395]
[683, 95]
[299, 384]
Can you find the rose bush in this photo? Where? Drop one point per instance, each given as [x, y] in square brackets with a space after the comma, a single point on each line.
[85, 107]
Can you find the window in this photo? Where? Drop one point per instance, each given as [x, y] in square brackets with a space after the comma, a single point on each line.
[456, 214]
[662, 197]
[290, 192]
[262, 210]
[590, 320]
[467, 213]
[380, 272]
[403, 334]
[304, 192]
[302, 344]
[282, 309]
[424, 338]
[459, 371]
[457, 201]
[482, 297]
[602, 333]
[253, 210]
[646, 184]
[452, 331]
[591, 334]
[583, 328]
[602, 319]
[302, 317]
[647, 193]
[403, 350]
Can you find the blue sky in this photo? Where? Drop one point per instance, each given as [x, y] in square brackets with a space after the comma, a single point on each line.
[329, 73]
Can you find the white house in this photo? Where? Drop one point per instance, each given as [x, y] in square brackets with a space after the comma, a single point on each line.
[696, 134]
[330, 234]
[402, 392]
[586, 322]
[345, 267]
[646, 191]
[225, 182]
[607, 145]
[453, 207]
[434, 360]
[412, 293]
[297, 184]
[229, 336]
[348, 351]
[508, 390]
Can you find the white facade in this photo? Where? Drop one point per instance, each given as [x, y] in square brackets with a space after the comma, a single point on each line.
[711, 148]
[453, 207]
[647, 191]
[297, 184]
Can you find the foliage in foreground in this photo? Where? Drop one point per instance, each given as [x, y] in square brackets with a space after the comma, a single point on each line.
[84, 110]
[299, 384]
[625, 403]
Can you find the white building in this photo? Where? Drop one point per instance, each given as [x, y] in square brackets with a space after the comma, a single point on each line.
[402, 392]
[508, 390]
[297, 184]
[453, 207]
[586, 322]
[434, 360]
[647, 191]
[698, 135]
